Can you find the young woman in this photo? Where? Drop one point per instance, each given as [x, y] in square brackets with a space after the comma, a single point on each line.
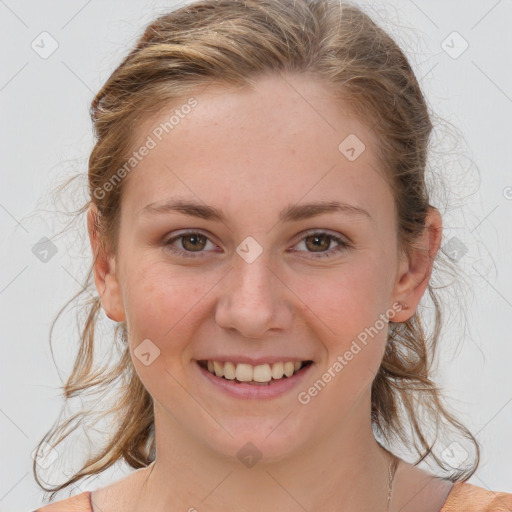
[262, 235]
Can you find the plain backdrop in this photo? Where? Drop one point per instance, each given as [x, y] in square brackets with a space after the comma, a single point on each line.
[55, 55]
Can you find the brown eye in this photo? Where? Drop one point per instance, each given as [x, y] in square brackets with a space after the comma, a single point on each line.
[194, 241]
[191, 244]
[320, 242]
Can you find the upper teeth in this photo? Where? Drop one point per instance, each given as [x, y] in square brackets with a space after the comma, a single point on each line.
[246, 372]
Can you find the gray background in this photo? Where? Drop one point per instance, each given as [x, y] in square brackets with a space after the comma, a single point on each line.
[46, 137]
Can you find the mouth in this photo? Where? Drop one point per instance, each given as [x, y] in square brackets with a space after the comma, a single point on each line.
[262, 374]
[247, 381]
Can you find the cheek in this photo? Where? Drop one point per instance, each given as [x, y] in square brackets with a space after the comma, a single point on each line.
[346, 301]
[159, 300]
[162, 305]
[351, 310]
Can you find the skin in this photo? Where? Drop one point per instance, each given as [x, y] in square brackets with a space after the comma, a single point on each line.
[251, 153]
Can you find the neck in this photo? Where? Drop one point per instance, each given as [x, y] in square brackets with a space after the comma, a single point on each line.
[345, 466]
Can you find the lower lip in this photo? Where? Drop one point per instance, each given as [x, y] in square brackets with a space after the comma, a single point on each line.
[254, 391]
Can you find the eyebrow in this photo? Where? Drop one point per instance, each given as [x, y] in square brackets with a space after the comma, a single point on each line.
[291, 213]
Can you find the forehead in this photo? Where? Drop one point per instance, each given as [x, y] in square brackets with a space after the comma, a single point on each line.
[286, 139]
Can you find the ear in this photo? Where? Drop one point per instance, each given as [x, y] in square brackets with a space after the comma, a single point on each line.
[414, 272]
[105, 277]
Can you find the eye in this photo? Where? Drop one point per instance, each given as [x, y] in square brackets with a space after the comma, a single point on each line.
[321, 240]
[192, 243]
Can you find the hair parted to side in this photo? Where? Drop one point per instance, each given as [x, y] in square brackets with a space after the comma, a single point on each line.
[233, 42]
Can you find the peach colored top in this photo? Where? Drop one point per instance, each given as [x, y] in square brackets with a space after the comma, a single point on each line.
[463, 497]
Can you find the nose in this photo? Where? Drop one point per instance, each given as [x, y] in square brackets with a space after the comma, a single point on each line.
[254, 299]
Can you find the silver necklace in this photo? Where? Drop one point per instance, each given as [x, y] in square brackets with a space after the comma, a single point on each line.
[391, 473]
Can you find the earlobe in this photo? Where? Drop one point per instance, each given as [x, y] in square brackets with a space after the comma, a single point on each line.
[415, 271]
[104, 271]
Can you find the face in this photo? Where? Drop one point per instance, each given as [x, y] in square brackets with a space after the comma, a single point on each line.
[244, 271]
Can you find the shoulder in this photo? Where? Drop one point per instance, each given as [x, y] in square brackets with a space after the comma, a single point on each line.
[471, 498]
[112, 497]
[79, 503]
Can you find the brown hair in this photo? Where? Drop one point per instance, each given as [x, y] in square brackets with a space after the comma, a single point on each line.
[232, 42]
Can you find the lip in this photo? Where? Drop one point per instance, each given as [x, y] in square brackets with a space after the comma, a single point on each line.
[251, 391]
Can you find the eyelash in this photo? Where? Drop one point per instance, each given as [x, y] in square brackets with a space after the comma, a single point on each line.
[343, 245]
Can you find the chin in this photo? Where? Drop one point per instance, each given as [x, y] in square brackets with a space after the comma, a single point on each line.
[256, 441]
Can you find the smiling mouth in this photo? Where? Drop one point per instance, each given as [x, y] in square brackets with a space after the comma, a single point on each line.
[260, 375]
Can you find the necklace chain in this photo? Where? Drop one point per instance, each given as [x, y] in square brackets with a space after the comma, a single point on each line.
[391, 472]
